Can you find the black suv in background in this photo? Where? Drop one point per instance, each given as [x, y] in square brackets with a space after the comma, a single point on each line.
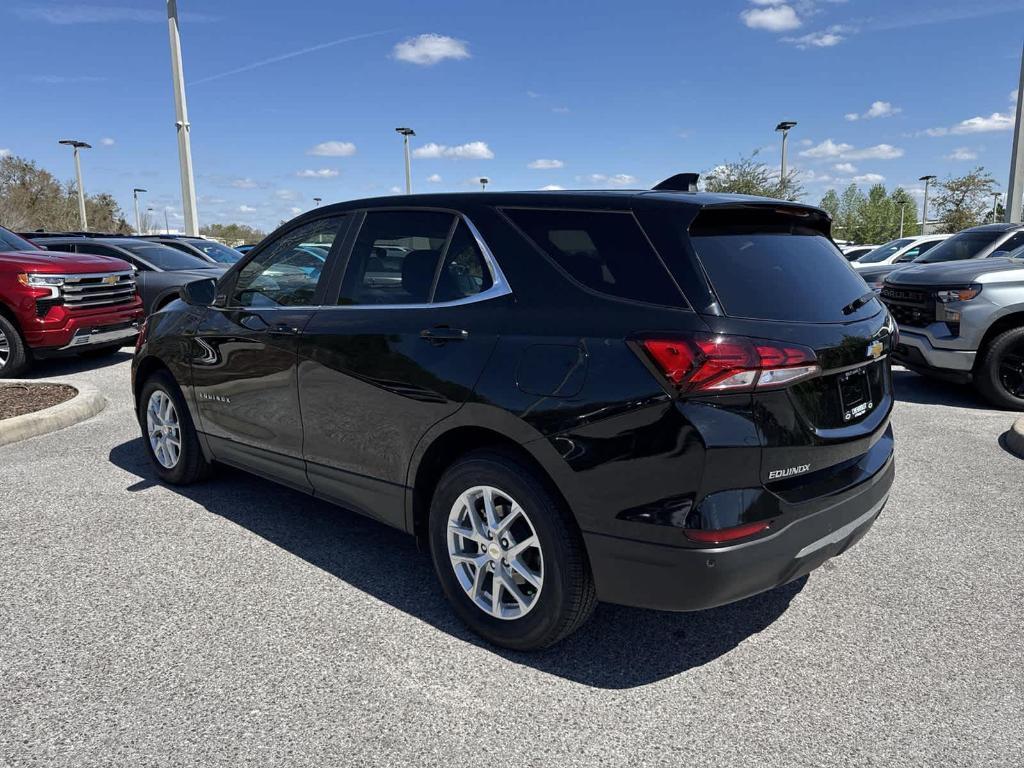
[664, 399]
[207, 250]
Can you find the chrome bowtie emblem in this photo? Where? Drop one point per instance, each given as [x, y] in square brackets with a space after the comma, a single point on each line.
[875, 349]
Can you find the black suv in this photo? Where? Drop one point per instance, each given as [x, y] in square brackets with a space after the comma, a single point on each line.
[665, 399]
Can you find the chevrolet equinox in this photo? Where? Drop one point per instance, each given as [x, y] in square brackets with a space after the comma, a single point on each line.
[666, 399]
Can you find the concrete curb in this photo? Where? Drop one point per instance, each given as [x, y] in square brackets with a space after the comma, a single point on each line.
[1015, 437]
[86, 404]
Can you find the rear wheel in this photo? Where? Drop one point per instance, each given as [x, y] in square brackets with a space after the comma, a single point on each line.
[508, 554]
[13, 354]
[172, 443]
[1000, 373]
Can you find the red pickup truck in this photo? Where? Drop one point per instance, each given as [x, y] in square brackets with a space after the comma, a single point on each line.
[54, 303]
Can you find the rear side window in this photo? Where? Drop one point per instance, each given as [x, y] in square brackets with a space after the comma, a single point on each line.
[605, 251]
[777, 270]
[965, 245]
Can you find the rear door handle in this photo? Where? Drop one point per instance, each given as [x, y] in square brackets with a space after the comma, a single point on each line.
[442, 333]
[283, 329]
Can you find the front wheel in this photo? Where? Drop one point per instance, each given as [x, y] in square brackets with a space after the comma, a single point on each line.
[508, 554]
[1000, 373]
[172, 443]
[14, 357]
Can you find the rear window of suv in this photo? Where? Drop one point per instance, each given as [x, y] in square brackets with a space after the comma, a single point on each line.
[605, 251]
[767, 267]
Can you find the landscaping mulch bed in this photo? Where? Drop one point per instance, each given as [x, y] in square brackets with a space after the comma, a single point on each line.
[19, 399]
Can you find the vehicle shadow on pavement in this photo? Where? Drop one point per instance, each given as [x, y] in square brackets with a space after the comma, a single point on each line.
[914, 388]
[54, 367]
[619, 648]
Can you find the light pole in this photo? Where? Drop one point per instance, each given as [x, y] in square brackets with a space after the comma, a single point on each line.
[188, 184]
[924, 217]
[903, 209]
[149, 218]
[77, 145]
[167, 226]
[995, 205]
[484, 181]
[135, 197]
[316, 201]
[406, 133]
[1015, 189]
[784, 128]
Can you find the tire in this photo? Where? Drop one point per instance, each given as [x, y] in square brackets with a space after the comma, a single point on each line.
[187, 464]
[999, 375]
[14, 357]
[537, 618]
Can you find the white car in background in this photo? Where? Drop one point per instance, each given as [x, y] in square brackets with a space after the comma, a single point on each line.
[854, 252]
[899, 251]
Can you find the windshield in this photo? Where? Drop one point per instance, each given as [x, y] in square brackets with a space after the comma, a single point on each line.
[164, 258]
[966, 245]
[797, 277]
[219, 253]
[883, 252]
[11, 242]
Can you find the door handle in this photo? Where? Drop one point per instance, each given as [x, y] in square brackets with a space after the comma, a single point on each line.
[256, 323]
[283, 329]
[441, 334]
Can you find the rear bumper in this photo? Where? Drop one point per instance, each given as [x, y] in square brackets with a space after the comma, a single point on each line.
[671, 578]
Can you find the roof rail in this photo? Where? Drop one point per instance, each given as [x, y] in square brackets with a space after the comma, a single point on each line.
[681, 182]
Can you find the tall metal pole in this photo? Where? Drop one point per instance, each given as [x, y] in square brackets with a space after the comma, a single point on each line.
[924, 214]
[138, 219]
[75, 146]
[995, 205]
[188, 184]
[1015, 189]
[784, 127]
[903, 210]
[406, 133]
[167, 226]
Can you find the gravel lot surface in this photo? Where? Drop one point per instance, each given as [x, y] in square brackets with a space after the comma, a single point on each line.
[239, 623]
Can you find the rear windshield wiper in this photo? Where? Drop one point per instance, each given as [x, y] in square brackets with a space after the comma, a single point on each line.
[856, 304]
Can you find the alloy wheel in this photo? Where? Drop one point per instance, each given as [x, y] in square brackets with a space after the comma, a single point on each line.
[163, 428]
[5, 348]
[495, 552]
[1011, 370]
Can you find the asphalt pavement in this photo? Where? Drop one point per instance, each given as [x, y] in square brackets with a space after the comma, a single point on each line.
[239, 623]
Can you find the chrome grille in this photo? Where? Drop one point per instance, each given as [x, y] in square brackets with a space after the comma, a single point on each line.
[99, 290]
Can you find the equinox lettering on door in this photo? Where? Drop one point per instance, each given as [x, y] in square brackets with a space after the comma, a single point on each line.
[777, 474]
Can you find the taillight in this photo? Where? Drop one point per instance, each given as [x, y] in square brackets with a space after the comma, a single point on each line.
[709, 363]
[726, 535]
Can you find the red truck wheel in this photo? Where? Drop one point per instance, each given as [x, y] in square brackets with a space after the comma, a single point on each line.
[13, 358]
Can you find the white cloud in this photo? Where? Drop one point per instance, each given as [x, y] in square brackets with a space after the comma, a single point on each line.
[997, 121]
[962, 153]
[869, 178]
[616, 180]
[285, 194]
[824, 39]
[395, 190]
[245, 183]
[107, 141]
[4, 152]
[473, 150]
[333, 149]
[851, 116]
[1013, 96]
[845, 167]
[775, 18]
[246, 209]
[843, 151]
[295, 210]
[543, 164]
[551, 188]
[322, 173]
[805, 142]
[434, 178]
[881, 109]
[427, 50]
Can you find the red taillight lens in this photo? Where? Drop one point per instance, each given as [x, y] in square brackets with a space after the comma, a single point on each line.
[706, 363]
[726, 535]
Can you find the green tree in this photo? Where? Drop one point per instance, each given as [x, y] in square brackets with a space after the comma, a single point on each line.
[963, 201]
[911, 226]
[830, 203]
[749, 176]
[233, 233]
[847, 220]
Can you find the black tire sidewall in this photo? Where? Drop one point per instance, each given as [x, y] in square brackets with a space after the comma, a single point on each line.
[989, 382]
[190, 461]
[18, 360]
[541, 625]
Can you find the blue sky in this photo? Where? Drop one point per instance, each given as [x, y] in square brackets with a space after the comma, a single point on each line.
[294, 100]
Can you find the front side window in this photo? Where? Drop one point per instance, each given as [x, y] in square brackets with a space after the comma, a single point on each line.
[395, 258]
[965, 245]
[284, 274]
[605, 251]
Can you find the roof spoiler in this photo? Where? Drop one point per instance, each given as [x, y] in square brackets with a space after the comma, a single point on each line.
[681, 182]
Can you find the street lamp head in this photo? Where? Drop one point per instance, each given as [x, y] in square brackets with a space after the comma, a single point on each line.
[75, 143]
[405, 131]
[928, 178]
[136, 190]
[785, 125]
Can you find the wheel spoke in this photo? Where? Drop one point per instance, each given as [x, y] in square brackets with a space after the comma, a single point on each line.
[518, 566]
[507, 521]
[520, 547]
[513, 589]
[496, 585]
[489, 510]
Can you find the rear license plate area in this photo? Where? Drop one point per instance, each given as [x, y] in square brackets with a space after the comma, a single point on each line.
[855, 394]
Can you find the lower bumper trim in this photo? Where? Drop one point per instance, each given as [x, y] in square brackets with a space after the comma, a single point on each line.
[841, 533]
[88, 337]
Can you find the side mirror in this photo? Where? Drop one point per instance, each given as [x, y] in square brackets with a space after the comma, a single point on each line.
[199, 293]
